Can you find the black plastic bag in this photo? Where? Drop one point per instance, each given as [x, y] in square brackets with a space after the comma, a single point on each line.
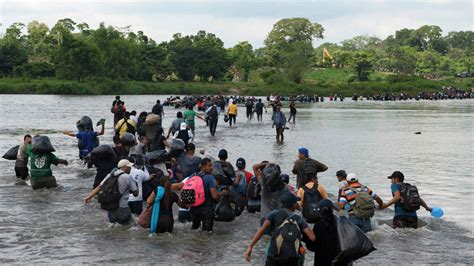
[104, 152]
[12, 153]
[128, 139]
[83, 123]
[271, 177]
[154, 157]
[237, 203]
[42, 144]
[224, 211]
[353, 243]
[177, 147]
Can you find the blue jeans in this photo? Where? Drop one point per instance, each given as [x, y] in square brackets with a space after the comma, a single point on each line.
[363, 223]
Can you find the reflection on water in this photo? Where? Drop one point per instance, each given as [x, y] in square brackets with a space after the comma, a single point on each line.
[371, 139]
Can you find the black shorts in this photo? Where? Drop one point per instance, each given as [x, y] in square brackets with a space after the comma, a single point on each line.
[404, 221]
[136, 207]
[204, 215]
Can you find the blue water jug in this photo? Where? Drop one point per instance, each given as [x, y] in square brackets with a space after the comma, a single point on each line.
[437, 212]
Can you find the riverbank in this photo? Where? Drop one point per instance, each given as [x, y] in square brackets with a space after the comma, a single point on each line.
[320, 87]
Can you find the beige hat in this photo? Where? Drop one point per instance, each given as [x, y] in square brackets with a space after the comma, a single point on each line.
[124, 162]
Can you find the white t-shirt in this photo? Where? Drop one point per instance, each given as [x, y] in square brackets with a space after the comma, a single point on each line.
[138, 176]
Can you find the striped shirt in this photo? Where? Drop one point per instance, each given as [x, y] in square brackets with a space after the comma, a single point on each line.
[348, 195]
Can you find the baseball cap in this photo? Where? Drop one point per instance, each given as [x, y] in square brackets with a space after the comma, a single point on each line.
[341, 173]
[124, 162]
[288, 199]
[352, 177]
[183, 126]
[398, 175]
[304, 151]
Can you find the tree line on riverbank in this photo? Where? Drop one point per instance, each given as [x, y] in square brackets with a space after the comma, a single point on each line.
[73, 51]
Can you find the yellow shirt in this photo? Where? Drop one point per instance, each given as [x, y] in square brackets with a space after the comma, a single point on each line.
[232, 109]
[122, 126]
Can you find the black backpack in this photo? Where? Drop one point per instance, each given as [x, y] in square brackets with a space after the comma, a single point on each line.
[410, 199]
[109, 196]
[254, 189]
[224, 211]
[286, 241]
[310, 204]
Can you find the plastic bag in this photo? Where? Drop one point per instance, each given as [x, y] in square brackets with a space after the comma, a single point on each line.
[236, 202]
[12, 153]
[271, 177]
[104, 152]
[224, 211]
[353, 243]
[128, 139]
[83, 123]
[177, 147]
[155, 157]
[42, 144]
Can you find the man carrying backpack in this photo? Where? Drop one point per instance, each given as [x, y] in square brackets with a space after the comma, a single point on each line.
[287, 230]
[358, 200]
[306, 165]
[114, 192]
[125, 125]
[311, 194]
[407, 201]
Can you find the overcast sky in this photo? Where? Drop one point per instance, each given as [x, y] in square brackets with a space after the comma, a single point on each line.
[242, 20]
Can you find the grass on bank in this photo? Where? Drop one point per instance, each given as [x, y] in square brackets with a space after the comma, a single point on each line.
[323, 82]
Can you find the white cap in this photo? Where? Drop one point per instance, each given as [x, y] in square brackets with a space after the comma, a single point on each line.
[352, 177]
[183, 126]
[124, 162]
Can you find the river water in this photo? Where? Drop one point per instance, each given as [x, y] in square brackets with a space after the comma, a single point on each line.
[371, 139]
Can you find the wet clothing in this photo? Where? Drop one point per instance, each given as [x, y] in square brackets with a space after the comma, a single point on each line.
[139, 176]
[88, 142]
[259, 107]
[204, 214]
[41, 164]
[212, 118]
[308, 165]
[279, 120]
[232, 118]
[176, 124]
[189, 116]
[21, 163]
[120, 215]
[188, 165]
[348, 195]
[326, 245]
[45, 182]
[157, 109]
[399, 211]
[363, 223]
[404, 221]
[270, 200]
[166, 220]
[126, 185]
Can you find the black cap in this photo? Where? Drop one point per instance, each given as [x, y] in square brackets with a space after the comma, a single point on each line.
[288, 199]
[341, 173]
[222, 154]
[398, 175]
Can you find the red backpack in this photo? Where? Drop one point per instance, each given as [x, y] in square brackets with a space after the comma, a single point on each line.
[193, 193]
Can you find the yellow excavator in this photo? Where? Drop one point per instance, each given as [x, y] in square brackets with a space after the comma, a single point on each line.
[327, 56]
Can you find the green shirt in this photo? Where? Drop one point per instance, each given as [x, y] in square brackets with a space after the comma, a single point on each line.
[189, 117]
[41, 164]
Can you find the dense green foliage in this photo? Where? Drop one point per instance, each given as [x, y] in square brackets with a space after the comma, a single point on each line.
[73, 58]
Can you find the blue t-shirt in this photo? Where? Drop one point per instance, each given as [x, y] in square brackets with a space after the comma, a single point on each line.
[399, 211]
[88, 141]
[209, 182]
